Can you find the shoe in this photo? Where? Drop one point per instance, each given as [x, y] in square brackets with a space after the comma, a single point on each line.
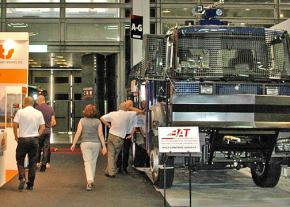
[89, 187]
[38, 165]
[125, 171]
[21, 184]
[29, 187]
[47, 165]
[110, 176]
[42, 168]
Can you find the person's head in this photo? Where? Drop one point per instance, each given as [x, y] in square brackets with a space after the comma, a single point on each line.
[90, 111]
[40, 99]
[122, 106]
[129, 104]
[28, 101]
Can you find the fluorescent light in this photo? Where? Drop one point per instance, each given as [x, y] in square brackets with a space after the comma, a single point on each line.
[166, 11]
[37, 48]
[17, 25]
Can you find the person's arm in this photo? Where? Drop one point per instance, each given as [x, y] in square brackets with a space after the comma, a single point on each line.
[138, 111]
[42, 124]
[15, 131]
[102, 139]
[41, 129]
[105, 122]
[77, 136]
[53, 121]
[16, 125]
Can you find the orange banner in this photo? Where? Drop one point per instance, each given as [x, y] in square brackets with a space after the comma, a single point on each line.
[13, 76]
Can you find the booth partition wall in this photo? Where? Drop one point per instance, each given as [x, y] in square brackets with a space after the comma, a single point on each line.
[83, 44]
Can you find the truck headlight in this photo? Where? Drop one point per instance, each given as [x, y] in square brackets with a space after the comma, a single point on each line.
[206, 89]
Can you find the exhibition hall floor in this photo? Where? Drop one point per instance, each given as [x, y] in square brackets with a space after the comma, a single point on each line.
[63, 185]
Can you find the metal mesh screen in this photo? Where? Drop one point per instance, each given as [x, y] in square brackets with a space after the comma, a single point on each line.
[154, 56]
[231, 52]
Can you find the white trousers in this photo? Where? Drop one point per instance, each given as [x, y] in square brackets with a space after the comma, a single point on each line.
[90, 151]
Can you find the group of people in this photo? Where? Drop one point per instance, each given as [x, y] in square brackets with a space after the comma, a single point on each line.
[90, 133]
[33, 137]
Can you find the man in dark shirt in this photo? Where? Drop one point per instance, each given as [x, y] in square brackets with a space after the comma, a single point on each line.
[44, 140]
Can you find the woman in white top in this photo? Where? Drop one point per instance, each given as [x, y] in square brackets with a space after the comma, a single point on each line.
[90, 131]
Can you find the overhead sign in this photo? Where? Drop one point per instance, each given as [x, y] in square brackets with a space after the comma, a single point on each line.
[136, 27]
[178, 139]
[14, 57]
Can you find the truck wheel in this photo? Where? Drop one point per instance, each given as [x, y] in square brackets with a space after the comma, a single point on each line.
[266, 175]
[156, 167]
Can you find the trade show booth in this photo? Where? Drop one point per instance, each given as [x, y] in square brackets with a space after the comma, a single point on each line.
[13, 88]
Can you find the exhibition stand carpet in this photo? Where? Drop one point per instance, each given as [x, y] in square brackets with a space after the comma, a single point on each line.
[63, 185]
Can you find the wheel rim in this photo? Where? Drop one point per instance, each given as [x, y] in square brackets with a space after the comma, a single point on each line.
[154, 163]
[260, 168]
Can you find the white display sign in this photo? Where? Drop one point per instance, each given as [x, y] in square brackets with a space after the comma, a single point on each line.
[178, 139]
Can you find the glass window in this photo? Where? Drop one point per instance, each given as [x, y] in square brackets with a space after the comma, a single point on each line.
[78, 80]
[152, 12]
[285, 14]
[285, 1]
[247, 12]
[177, 12]
[30, 1]
[92, 32]
[78, 96]
[61, 80]
[152, 28]
[92, 12]
[32, 12]
[41, 79]
[37, 31]
[127, 12]
[61, 96]
[93, 1]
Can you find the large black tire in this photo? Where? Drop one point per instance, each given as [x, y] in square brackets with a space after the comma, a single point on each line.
[156, 166]
[266, 175]
[159, 179]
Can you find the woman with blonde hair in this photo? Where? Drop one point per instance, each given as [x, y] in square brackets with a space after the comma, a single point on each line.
[90, 130]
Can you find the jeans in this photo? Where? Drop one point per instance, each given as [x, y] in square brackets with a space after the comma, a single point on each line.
[44, 147]
[115, 144]
[27, 146]
[90, 151]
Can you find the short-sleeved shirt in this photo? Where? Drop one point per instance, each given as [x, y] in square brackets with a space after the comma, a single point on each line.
[90, 130]
[29, 120]
[120, 121]
[47, 112]
[132, 122]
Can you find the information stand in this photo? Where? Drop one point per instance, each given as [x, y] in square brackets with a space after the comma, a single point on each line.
[178, 140]
[13, 87]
